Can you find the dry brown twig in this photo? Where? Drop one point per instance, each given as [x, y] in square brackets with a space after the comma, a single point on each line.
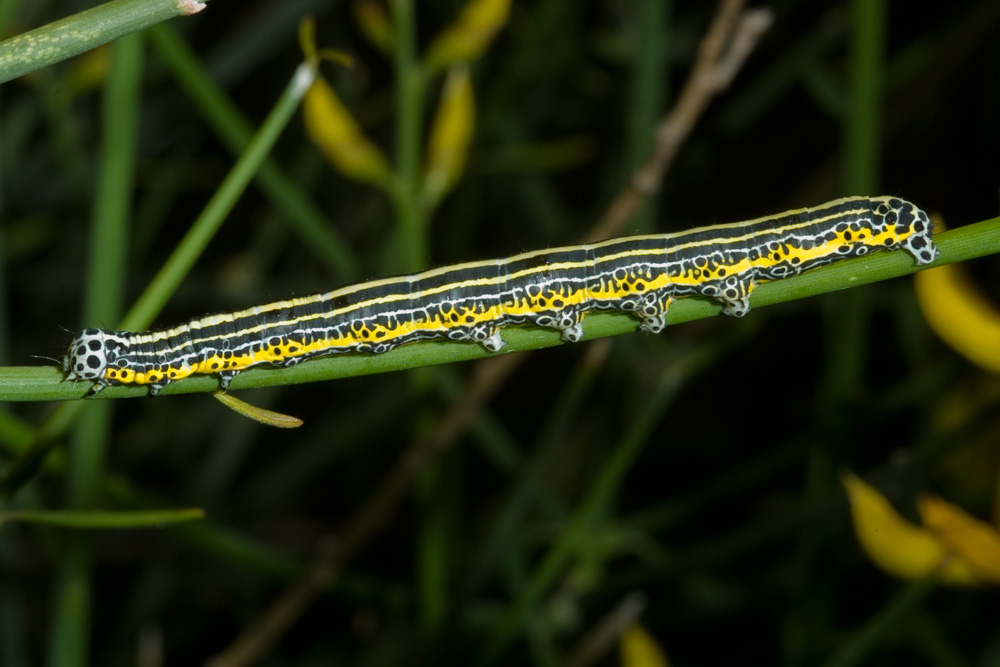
[727, 44]
[730, 39]
[596, 642]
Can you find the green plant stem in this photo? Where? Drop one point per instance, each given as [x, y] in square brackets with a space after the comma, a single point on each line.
[848, 324]
[95, 519]
[81, 32]
[38, 383]
[409, 114]
[316, 231]
[169, 278]
[433, 557]
[529, 482]
[647, 87]
[858, 649]
[183, 257]
[598, 497]
[863, 162]
[103, 302]
[32, 457]
[863, 138]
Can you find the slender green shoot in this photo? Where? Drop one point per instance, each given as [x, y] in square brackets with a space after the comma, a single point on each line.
[409, 126]
[88, 519]
[169, 278]
[81, 32]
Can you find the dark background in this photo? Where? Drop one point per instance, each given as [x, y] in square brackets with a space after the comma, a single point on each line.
[731, 522]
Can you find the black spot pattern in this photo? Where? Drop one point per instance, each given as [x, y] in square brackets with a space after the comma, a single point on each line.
[471, 302]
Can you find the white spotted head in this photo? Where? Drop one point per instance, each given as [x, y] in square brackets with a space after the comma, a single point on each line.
[920, 243]
[911, 227]
[91, 352]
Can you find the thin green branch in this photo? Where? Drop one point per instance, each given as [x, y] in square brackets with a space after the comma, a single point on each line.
[976, 240]
[72, 613]
[81, 32]
[315, 229]
[859, 649]
[208, 223]
[90, 519]
[600, 494]
[863, 123]
[409, 115]
[646, 86]
[31, 458]
[183, 257]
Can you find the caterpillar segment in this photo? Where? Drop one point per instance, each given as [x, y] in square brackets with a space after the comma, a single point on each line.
[474, 301]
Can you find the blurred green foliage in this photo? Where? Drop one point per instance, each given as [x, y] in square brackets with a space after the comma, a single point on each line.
[699, 467]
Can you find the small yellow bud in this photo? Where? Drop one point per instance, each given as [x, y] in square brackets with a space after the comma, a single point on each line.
[341, 139]
[975, 541]
[640, 649]
[451, 134]
[374, 21]
[469, 35]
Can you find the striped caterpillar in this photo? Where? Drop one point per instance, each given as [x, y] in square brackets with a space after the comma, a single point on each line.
[551, 288]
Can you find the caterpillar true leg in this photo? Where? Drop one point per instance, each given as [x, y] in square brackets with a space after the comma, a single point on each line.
[735, 296]
[654, 312]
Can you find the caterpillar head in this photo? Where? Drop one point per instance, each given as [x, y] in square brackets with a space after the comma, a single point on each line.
[91, 352]
[920, 243]
[912, 227]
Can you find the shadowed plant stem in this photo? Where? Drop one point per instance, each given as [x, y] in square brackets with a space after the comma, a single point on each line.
[622, 456]
[70, 643]
[409, 114]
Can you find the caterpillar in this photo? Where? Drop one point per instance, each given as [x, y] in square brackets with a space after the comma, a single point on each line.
[553, 288]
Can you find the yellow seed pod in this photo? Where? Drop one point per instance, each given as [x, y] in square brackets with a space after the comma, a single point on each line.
[469, 35]
[451, 134]
[897, 546]
[640, 649]
[341, 139]
[975, 541]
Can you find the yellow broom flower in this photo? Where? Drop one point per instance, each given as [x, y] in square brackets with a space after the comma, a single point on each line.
[973, 540]
[912, 552]
[451, 134]
[640, 649]
[373, 20]
[469, 35]
[331, 126]
[960, 314]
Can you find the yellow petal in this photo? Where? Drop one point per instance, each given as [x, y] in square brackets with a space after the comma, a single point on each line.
[266, 417]
[897, 546]
[451, 134]
[373, 20]
[469, 35]
[340, 138]
[960, 314]
[975, 541]
[640, 649]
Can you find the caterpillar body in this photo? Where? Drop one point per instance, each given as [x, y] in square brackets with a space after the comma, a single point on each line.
[552, 288]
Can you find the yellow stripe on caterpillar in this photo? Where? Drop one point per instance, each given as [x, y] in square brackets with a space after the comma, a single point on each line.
[472, 301]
